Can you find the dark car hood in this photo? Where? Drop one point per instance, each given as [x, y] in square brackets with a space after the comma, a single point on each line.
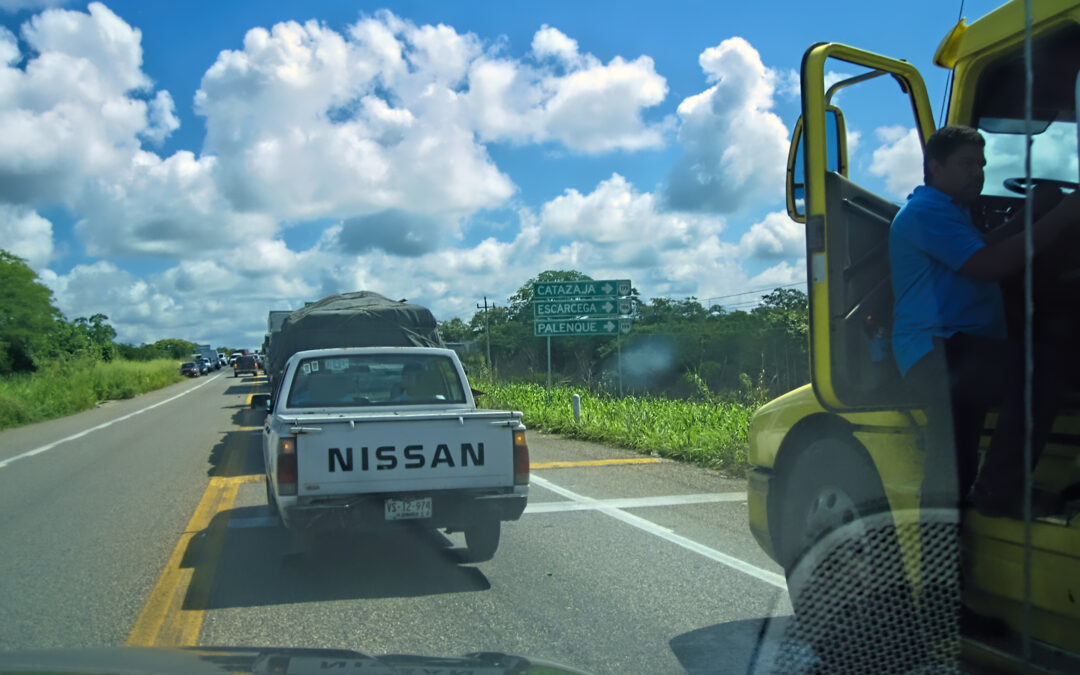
[264, 661]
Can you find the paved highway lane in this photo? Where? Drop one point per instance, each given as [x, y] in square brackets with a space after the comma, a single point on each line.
[88, 523]
[614, 568]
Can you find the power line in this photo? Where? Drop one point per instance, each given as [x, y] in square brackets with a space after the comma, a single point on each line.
[760, 290]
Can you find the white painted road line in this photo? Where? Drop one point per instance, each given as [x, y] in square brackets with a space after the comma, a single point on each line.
[557, 507]
[634, 503]
[768, 577]
[50, 446]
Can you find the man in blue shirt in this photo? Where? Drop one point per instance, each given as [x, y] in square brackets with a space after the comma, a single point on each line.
[949, 332]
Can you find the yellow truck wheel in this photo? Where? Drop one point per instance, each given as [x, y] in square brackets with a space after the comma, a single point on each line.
[831, 483]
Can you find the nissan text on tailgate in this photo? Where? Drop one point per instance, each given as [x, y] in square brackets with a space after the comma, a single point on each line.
[381, 438]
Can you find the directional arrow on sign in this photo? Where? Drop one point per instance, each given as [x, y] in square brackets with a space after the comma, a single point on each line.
[608, 307]
[609, 326]
[607, 289]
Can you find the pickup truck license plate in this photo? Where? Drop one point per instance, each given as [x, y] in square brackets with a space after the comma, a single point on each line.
[404, 509]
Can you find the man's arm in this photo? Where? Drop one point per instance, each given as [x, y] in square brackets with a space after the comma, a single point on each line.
[1044, 199]
[1003, 255]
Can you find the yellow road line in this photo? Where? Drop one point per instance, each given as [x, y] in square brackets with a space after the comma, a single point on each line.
[243, 480]
[251, 396]
[163, 621]
[594, 462]
[173, 614]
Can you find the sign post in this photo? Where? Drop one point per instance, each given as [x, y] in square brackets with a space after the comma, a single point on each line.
[549, 369]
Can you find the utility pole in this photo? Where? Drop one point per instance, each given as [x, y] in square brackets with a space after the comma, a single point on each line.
[487, 330]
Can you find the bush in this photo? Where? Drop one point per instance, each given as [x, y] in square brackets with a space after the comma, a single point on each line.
[67, 386]
[709, 430]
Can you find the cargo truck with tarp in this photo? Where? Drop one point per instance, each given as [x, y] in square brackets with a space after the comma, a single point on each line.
[358, 319]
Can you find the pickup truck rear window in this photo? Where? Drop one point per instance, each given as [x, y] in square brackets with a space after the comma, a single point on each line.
[375, 380]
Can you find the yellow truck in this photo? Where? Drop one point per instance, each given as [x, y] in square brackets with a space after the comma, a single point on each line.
[850, 442]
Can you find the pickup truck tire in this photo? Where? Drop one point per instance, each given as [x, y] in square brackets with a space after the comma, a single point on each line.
[482, 540]
[271, 502]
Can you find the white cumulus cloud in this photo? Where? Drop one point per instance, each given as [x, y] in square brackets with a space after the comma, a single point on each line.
[26, 234]
[735, 147]
[552, 42]
[567, 97]
[775, 237]
[74, 120]
[898, 160]
[161, 118]
[308, 123]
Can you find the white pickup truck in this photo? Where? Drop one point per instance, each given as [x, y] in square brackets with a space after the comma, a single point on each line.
[375, 438]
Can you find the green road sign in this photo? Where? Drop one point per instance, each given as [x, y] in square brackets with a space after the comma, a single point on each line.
[591, 307]
[572, 327]
[554, 290]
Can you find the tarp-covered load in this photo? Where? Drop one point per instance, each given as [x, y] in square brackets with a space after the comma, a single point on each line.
[360, 319]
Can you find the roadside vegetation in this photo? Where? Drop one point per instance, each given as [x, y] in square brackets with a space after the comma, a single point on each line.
[51, 366]
[692, 374]
[708, 430]
[62, 388]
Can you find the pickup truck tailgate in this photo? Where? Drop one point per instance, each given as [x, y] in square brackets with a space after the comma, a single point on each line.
[405, 453]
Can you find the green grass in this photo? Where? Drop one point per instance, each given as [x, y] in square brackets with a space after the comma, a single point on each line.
[63, 388]
[710, 431]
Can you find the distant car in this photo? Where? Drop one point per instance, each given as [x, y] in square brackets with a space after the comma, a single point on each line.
[233, 357]
[222, 361]
[246, 364]
[204, 366]
[190, 368]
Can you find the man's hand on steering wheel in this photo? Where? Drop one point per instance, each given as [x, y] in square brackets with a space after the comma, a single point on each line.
[1045, 192]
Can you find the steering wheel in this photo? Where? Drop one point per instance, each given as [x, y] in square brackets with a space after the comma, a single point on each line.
[1019, 185]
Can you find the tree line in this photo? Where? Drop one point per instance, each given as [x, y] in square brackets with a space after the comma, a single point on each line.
[33, 332]
[676, 347]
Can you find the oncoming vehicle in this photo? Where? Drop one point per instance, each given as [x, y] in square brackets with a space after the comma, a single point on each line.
[851, 444]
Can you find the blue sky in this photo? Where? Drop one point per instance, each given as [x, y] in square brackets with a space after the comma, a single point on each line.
[186, 167]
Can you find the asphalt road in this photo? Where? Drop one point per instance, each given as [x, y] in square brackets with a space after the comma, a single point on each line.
[155, 515]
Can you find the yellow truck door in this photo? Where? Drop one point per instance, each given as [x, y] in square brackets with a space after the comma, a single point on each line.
[847, 230]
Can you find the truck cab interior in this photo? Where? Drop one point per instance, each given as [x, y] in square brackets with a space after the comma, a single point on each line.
[854, 235]
[860, 292]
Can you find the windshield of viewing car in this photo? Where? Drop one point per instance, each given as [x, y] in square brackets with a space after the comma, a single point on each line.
[375, 380]
[587, 201]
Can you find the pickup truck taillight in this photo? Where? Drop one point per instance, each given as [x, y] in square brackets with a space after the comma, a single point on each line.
[286, 467]
[521, 458]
